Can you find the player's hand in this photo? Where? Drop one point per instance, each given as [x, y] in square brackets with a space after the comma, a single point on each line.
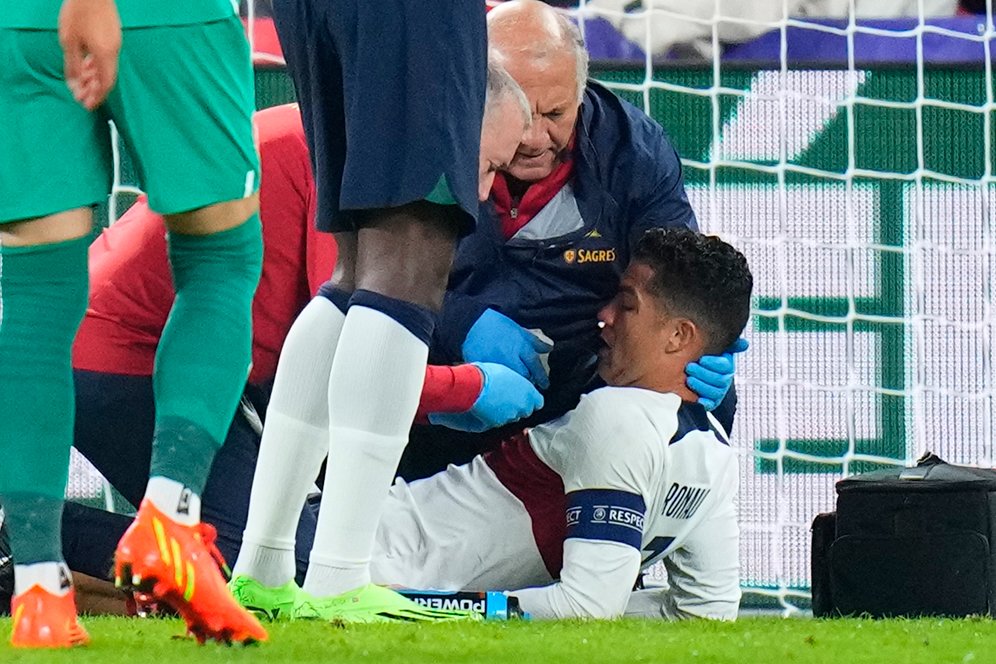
[90, 36]
[505, 397]
[497, 338]
[712, 376]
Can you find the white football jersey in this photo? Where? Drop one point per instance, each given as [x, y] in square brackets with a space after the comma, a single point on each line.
[566, 515]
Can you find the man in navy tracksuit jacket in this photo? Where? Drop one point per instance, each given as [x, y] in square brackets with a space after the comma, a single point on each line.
[556, 235]
[626, 179]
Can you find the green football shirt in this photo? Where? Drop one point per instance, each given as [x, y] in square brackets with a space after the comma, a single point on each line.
[44, 14]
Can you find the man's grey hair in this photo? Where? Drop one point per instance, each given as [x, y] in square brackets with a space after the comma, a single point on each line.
[502, 87]
[572, 39]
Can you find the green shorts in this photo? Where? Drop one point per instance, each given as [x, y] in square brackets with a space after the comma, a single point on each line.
[183, 105]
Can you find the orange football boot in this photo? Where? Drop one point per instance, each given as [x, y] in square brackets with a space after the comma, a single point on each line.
[179, 565]
[44, 620]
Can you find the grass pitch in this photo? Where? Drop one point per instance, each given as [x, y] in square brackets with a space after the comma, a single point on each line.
[157, 641]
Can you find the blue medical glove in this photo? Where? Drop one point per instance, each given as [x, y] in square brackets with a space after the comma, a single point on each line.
[712, 376]
[497, 338]
[505, 397]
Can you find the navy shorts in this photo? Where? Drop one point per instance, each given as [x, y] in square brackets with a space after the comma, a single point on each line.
[391, 94]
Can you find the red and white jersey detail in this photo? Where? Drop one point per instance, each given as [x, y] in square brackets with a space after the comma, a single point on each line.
[541, 492]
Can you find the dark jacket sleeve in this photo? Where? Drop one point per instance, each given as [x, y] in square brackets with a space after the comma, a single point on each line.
[661, 201]
[633, 159]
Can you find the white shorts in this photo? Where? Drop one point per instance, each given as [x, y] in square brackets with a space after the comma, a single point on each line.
[458, 530]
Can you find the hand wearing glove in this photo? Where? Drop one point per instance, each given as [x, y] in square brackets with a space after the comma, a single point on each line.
[505, 397]
[712, 376]
[496, 338]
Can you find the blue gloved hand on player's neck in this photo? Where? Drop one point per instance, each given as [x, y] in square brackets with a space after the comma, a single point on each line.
[712, 376]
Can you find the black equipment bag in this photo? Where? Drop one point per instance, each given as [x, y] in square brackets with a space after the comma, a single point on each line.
[908, 542]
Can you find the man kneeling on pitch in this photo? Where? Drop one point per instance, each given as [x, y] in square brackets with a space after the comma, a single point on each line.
[642, 472]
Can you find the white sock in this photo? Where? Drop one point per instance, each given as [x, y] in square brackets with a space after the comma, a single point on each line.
[374, 392]
[272, 566]
[295, 442]
[54, 577]
[175, 500]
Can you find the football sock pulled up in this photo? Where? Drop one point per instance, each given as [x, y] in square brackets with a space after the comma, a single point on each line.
[295, 442]
[204, 355]
[374, 391]
[43, 296]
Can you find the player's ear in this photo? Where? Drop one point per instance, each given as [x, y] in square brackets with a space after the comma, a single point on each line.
[681, 334]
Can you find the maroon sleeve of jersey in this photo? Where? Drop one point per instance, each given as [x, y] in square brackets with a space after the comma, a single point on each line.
[541, 491]
[449, 390]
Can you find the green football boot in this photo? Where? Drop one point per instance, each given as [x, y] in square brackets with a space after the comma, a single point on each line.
[265, 602]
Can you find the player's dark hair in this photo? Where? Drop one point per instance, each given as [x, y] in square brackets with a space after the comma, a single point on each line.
[700, 277]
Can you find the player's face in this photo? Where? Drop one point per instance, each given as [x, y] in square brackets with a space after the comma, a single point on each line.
[500, 134]
[551, 88]
[633, 330]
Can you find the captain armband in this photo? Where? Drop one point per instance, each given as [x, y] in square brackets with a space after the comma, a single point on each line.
[606, 514]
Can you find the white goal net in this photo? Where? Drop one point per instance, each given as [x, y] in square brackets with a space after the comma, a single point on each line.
[851, 160]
